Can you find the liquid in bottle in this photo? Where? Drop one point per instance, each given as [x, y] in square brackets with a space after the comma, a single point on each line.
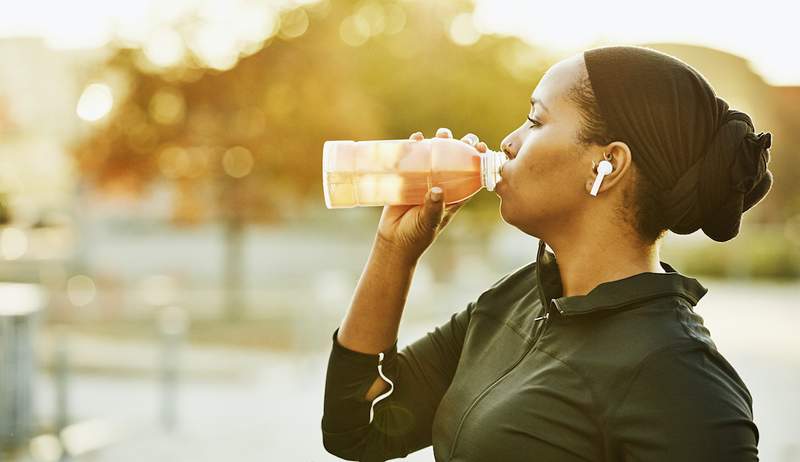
[395, 172]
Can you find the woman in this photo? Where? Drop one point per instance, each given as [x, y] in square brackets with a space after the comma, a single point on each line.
[593, 352]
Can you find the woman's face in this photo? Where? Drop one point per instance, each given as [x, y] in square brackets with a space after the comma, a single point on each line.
[543, 185]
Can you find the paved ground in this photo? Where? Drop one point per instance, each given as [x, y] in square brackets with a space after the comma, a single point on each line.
[247, 405]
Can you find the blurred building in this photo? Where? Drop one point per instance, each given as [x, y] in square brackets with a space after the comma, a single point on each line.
[773, 109]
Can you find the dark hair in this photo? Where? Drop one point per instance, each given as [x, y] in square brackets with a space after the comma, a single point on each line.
[646, 219]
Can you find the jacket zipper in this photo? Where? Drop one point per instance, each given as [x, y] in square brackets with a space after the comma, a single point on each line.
[545, 317]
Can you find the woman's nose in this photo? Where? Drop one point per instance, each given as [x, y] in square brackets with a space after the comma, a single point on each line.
[507, 147]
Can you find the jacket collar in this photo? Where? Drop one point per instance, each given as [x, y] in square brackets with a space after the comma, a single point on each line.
[612, 295]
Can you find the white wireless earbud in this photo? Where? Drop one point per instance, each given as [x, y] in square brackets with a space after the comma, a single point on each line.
[603, 169]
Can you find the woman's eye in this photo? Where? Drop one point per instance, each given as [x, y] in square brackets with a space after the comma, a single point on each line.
[534, 123]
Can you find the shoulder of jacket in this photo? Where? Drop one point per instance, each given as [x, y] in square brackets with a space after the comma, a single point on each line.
[526, 271]
[508, 284]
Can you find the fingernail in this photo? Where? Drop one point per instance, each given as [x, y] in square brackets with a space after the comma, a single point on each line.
[436, 193]
[445, 130]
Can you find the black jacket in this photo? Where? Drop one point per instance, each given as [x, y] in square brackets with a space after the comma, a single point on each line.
[627, 372]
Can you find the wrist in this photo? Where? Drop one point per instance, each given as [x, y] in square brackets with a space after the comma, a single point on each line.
[397, 254]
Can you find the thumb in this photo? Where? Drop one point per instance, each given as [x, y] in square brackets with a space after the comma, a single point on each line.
[433, 208]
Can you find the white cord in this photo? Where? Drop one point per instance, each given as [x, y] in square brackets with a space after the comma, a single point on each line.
[391, 387]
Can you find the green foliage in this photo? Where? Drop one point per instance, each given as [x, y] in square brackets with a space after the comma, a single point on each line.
[760, 253]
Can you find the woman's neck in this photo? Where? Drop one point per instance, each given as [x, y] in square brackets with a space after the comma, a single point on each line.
[584, 264]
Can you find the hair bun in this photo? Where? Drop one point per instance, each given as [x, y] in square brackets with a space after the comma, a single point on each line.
[734, 176]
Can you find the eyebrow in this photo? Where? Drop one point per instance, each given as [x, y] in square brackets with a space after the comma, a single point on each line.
[539, 102]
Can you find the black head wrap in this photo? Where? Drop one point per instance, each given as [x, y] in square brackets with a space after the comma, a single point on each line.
[704, 157]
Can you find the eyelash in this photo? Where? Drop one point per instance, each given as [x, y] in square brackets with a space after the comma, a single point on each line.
[535, 123]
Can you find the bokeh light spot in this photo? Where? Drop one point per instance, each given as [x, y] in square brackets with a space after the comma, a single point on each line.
[463, 31]
[13, 243]
[95, 102]
[165, 48]
[81, 290]
[174, 162]
[395, 19]
[237, 162]
[257, 23]
[167, 107]
[294, 24]
[354, 30]
[216, 46]
[373, 15]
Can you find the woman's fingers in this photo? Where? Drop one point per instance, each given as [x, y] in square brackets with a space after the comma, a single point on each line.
[432, 209]
[470, 138]
[444, 133]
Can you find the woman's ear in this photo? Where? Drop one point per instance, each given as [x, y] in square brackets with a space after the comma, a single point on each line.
[619, 155]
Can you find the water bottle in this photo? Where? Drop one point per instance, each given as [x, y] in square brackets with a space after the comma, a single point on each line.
[397, 172]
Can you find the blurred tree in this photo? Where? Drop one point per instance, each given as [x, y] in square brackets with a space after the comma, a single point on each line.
[244, 145]
[240, 141]
[5, 213]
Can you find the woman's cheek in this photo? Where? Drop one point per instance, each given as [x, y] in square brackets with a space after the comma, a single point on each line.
[524, 167]
[507, 170]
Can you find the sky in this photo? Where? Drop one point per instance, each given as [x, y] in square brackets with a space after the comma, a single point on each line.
[763, 32]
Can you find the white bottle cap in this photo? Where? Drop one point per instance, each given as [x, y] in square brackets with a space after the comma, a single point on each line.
[491, 161]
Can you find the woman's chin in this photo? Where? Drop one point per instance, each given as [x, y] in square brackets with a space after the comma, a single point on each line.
[505, 212]
[498, 188]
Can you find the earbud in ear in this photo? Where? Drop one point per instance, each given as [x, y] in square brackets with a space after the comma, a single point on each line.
[603, 169]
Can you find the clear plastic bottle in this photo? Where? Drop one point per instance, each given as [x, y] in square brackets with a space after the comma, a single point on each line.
[394, 172]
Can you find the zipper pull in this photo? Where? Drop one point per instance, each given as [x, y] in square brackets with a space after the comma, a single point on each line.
[545, 317]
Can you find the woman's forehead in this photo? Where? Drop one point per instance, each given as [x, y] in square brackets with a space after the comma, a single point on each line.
[559, 80]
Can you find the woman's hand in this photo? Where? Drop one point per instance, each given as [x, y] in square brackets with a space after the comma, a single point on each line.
[411, 229]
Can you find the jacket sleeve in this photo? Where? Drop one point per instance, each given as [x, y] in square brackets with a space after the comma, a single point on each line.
[687, 404]
[403, 416]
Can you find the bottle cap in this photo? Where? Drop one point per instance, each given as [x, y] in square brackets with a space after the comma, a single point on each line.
[491, 163]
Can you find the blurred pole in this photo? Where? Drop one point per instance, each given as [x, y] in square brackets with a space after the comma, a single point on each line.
[19, 305]
[234, 226]
[172, 325]
[234, 237]
[62, 373]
